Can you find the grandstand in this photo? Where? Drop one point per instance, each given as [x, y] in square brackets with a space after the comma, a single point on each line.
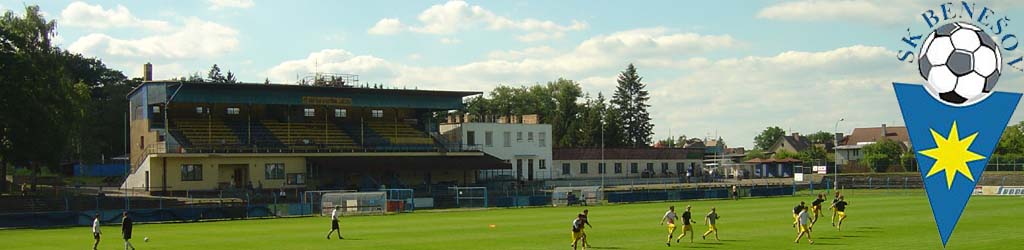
[196, 137]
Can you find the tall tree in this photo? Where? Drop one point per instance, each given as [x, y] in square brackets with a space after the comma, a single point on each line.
[565, 122]
[42, 104]
[882, 154]
[768, 137]
[214, 75]
[821, 137]
[631, 99]
[230, 78]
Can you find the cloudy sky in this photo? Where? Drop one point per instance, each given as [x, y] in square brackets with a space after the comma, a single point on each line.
[729, 68]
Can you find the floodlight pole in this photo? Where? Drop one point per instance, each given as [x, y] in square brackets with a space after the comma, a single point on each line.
[603, 166]
[835, 154]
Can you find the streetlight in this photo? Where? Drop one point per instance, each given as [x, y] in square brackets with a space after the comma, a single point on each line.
[835, 154]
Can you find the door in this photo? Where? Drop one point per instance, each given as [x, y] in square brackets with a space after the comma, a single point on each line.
[529, 169]
[239, 177]
[519, 169]
[147, 180]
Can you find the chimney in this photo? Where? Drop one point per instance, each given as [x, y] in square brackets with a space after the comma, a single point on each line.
[147, 72]
[796, 136]
[884, 132]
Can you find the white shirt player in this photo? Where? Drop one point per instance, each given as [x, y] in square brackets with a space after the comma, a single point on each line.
[334, 214]
[96, 226]
[670, 216]
[805, 218]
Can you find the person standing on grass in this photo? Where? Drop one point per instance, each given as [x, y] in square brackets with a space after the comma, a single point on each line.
[805, 227]
[840, 208]
[334, 224]
[586, 212]
[796, 214]
[96, 231]
[710, 221]
[816, 208]
[671, 218]
[686, 225]
[832, 207]
[126, 230]
[577, 231]
[735, 193]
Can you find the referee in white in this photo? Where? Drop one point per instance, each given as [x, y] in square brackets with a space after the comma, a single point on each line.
[334, 224]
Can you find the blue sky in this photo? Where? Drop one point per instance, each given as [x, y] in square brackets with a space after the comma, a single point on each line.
[725, 67]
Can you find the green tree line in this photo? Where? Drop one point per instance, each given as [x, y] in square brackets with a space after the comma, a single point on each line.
[57, 106]
[577, 119]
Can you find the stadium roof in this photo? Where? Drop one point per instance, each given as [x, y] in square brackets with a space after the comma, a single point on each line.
[287, 94]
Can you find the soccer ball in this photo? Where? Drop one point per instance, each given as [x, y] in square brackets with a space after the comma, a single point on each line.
[145, 239]
[961, 63]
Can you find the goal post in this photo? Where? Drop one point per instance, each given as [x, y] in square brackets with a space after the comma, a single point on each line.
[470, 197]
[311, 199]
[400, 200]
[355, 203]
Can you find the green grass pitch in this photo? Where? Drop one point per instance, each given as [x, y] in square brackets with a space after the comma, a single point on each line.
[877, 220]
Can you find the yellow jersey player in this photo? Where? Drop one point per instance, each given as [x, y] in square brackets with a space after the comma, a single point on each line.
[671, 218]
[686, 225]
[796, 212]
[710, 221]
[577, 231]
[840, 208]
[804, 220]
[832, 207]
[816, 208]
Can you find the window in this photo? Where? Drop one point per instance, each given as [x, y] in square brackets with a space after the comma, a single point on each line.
[650, 167]
[529, 136]
[542, 138]
[296, 179]
[309, 112]
[191, 172]
[508, 139]
[583, 168]
[565, 169]
[340, 113]
[156, 109]
[618, 167]
[543, 164]
[679, 168]
[377, 113]
[664, 167]
[471, 137]
[274, 171]
[199, 110]
[519, 136]
[488, 138]
[232, 111]
[633, 169]
[600, 168]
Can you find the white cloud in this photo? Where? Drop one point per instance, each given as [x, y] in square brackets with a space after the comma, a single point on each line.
[415, 56]
[872, 11]
[196, 38]
[386, 26]
[450, 41]
[533, 52]
[224, 4]
[80, 14]
[805, 91]
[453, 16]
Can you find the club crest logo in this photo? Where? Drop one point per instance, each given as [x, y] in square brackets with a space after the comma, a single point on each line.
[955, 119]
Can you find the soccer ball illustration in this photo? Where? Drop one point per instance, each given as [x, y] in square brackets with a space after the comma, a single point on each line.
[961, 63]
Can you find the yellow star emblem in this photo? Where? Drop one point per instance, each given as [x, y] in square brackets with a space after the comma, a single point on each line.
[951, 155]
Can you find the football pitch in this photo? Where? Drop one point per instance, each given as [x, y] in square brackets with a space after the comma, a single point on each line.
[876, 220]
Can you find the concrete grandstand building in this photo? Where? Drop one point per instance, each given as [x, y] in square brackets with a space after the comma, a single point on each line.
[209, 136]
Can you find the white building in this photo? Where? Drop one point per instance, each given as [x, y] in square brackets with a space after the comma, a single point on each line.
[587, 163]
[523, 143]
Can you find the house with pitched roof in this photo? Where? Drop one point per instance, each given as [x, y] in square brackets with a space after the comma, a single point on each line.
[849, 149]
